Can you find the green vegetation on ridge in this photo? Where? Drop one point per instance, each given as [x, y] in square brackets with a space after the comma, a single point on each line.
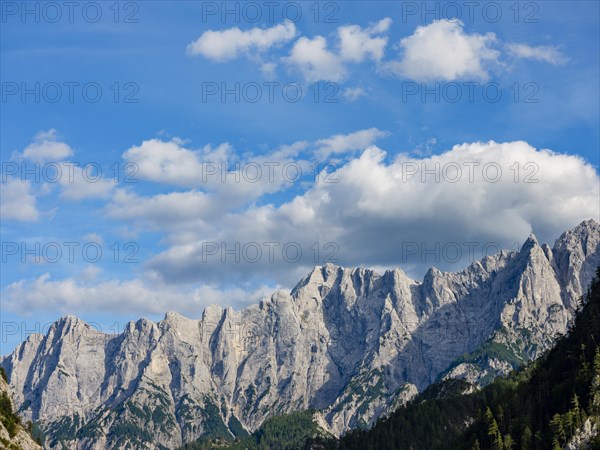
[286, 432]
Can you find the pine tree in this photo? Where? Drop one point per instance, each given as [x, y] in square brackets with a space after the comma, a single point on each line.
[556, 445]
[500, 418]
[575, 415]
[497, 443]
[595, 393]
[558, 430]
[493, 431]
[527, 439]
[508, 442]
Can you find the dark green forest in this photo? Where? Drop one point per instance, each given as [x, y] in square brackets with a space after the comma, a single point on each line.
[287, 432]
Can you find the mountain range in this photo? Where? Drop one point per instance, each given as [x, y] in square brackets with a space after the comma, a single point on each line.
[350, 343]
[550, 403]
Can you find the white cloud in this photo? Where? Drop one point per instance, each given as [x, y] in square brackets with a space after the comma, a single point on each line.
[344, 143]
[219, 182]
[353, 94]
[371, 210]
[357, 44]
[17, 202]
[219, 154]
[442, 50]
[316, 62]
[228, 44]
[424, 148]
[549, 54]
[217, 170]
[47, 148]
[312, 58]
[171, 208]
[82, 296]
[268, 70]
[78, 183]
[376, 207]
[89, 273]
[380, 27]
[165, 162]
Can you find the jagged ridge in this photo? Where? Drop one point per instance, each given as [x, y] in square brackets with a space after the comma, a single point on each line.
[351, 343]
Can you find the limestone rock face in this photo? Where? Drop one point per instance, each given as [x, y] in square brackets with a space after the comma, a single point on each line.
[351, 343]
[17, 438]
[544, 288]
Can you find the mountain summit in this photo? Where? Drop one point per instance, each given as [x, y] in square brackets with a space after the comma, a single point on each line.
[350, 343]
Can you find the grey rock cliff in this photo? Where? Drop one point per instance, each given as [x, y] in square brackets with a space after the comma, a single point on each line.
[16, 438]
[351, 343]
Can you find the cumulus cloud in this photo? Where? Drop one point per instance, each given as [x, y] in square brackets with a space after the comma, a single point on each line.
[17, 201]
[268, 70]
[83, 296]
[442, 50]
[170, 162]
[353, 94]
[46, 147]
[228, 44]
[312, 57]
[471, 193]
[219, 178]
[481, 192]
[314, 61]
[545, 53]
[165, 162]
[90, 273]
[79, 183]
[357, 44]
[344, 143]
[157, 210]
[76, 182]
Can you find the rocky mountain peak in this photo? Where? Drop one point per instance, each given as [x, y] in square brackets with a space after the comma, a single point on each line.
[530, 242]
[73, 326]
[345, 341]
[575, 258]
[585, 236]
[588, 227]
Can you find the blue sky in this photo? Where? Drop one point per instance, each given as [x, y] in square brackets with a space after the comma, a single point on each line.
[401, 88]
